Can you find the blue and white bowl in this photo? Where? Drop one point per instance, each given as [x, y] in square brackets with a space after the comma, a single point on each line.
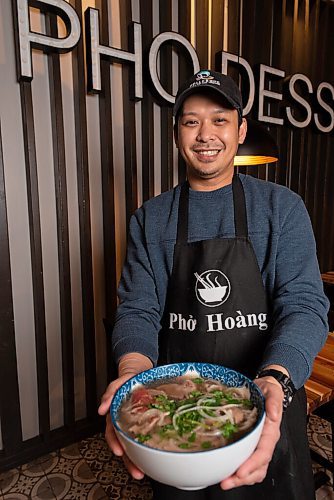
[190, 470]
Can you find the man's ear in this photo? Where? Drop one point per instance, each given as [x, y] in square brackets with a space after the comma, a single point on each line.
[242, 131]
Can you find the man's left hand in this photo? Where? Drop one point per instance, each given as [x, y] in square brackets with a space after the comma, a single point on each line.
[254, 470]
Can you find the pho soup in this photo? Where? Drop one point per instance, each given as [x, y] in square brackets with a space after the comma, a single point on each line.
[187, 414]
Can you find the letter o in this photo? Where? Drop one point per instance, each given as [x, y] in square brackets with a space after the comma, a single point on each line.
[153, 55]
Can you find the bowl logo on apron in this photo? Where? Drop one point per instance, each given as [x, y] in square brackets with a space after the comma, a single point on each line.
[212, 288]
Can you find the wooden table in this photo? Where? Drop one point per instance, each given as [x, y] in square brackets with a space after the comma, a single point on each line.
[328, 281]
[328, 277]
[320, 385]
[320, 398]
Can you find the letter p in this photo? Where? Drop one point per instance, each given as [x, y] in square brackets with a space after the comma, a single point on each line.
[26, 39]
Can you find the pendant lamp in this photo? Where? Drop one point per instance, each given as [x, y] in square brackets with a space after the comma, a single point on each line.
[259, 146]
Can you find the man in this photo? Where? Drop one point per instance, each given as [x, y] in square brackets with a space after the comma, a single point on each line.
[254, 238]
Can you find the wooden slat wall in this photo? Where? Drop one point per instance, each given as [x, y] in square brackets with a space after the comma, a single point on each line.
[293, 35]
[11, 429]
[59, 162]
[81, 141]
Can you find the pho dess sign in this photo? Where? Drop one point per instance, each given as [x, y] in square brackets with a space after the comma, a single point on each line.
[321, 98]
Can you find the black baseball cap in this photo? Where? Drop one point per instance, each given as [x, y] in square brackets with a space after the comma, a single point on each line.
[224, 85]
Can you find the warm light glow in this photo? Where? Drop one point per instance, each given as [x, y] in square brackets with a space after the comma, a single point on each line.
[209, 32]
[253, 160]
[192, 23]
[225, 33]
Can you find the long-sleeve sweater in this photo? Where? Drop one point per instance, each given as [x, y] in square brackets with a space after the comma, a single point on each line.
[281, 234]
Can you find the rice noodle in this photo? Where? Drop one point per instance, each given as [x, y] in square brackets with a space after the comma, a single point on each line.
[188, 414]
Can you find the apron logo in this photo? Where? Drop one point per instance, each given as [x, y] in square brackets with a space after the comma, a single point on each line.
[212, 288]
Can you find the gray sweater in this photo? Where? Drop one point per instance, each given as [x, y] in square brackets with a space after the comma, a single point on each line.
[281, 234]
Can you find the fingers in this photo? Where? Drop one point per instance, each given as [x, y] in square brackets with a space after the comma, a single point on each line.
[254, 470]
[253, 478]
[131, 467]
[106, 400]
[109, 393]
[118, 450]
[112, 440]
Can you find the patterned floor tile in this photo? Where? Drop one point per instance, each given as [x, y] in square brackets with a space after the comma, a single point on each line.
[88, 470]
[60, 483]
[42, 490]
[110, 472]
[82, 473]
[320, 436]
[16, 496]
[80, 491]
[22, 484]
[49, 462]
[8, 479]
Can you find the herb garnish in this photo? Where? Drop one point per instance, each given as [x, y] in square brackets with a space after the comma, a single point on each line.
[141, 438]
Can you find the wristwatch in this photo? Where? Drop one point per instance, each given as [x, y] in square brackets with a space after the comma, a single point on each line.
[285, 381]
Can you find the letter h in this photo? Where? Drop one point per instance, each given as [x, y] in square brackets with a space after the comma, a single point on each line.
[95, 50]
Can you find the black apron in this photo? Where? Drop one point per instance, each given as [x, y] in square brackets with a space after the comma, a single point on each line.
[216, 311]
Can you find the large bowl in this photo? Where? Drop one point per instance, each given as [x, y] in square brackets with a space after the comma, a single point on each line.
[190, 470]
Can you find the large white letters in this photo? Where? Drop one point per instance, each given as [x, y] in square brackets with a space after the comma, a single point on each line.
[95, 51]
[300, 100]
[226, 56]
[268, 93]
[168, 36]
[27, 39]
[323, 104]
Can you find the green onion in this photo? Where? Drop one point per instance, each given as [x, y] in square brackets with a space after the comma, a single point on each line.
[206, 444]
[198, 380]
[192, 437]
[184, 446]
[141, 438]
[228, 429]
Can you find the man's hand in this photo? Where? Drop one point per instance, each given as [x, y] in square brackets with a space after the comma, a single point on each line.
[254, 470]
[130, 364]
[110, 434]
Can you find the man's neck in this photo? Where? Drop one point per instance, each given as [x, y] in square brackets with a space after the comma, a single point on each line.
[200, 184]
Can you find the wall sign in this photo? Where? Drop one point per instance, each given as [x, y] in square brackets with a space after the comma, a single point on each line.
[314, 103]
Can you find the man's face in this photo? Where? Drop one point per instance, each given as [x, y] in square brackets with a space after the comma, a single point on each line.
[208, 136]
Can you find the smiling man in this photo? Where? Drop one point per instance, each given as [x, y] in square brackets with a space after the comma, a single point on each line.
[207, 135]
[208, 129]
[255, 239]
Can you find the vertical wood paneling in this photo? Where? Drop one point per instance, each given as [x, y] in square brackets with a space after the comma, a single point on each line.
[326, 171]
[217, 30]
[201, 30]
[166, 139]
[147, 121]
[129, 117]
[36, 256]
[79, 97]
[62, 226]
[107, 166]
[35, 246]
[11, 428]
[185, 69]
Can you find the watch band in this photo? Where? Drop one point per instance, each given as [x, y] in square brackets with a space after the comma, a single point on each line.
[289, 389]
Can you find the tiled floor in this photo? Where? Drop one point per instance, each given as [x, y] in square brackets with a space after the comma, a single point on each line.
[88, 470]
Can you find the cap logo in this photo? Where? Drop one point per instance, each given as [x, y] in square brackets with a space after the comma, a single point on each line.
[204, 78]
[204, 75]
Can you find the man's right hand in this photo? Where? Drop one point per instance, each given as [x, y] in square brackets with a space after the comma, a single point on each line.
[130, 365]
[110, 434]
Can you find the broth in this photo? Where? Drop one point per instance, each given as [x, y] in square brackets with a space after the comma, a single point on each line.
[187, 414]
